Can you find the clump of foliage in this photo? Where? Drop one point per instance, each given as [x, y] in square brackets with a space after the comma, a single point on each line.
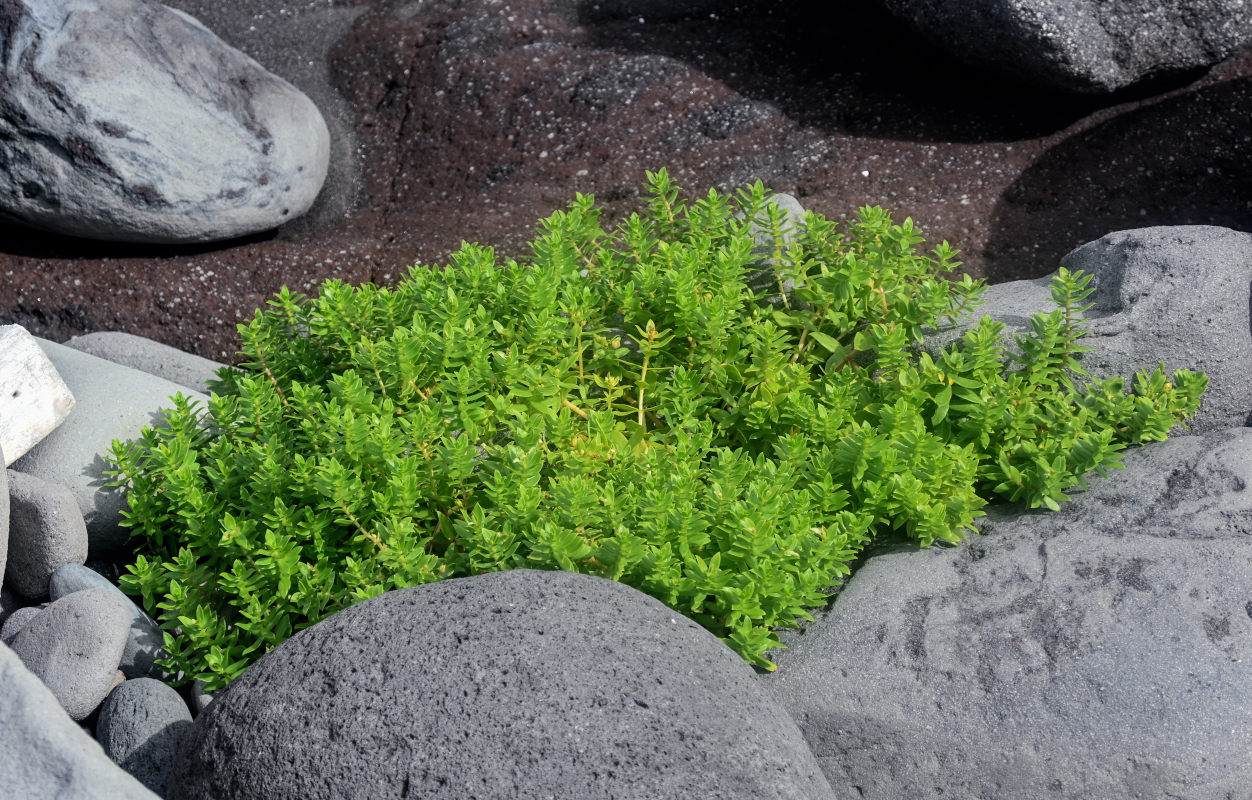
[705, 402]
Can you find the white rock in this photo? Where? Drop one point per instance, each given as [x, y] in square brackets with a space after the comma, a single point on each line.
[33, 398]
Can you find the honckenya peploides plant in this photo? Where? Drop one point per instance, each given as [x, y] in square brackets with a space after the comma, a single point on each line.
[701, 402]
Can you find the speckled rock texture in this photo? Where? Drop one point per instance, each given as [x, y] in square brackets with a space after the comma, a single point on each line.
[141, 726]
[1083, 45]
[46, 530]
[45, 754]
[1101, 651]
[518, 684]
[128, 121]
[74, 646]
[1173, 295]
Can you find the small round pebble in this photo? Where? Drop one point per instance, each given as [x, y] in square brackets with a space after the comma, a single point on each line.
[141, 725]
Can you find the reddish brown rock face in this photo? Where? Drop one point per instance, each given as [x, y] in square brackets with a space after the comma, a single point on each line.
[457, 120]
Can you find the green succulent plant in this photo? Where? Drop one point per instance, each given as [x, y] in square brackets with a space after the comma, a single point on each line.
[705, 402]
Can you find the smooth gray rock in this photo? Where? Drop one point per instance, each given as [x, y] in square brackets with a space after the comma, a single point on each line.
[43, 753]
[1101, 651]
[130, 121]
[14, 623]
[1178, 295]
[4, 527]
[144, 642]
[1086, 46]
[74, 646]
[138, 352]
[73, 454]
[519, 684]
[46, 531]
[141, 725]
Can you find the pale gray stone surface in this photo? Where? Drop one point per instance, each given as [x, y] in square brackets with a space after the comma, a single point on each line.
[1088, 46]
[519, 684]
[130, 121]
[14, 623]
[1178, 295]
[141, 725]
[138, 352]
[4, 528]
[74, 646]
[46, 530]
[1101, 651]
[33, 398]
[144, 642]
[43, 753]
[73, 454]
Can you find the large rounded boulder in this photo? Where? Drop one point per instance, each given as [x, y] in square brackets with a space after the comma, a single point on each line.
[520, 684]
[127, 120]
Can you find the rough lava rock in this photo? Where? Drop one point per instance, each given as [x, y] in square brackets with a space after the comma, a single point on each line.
[43, 753]
[1178, 295]
[519, 684]
[1088, 46]
[1101, 651]
[129, 121]
[74, 646]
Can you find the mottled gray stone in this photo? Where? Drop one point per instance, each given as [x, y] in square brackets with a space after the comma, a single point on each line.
[46, 530]
[185, 369]
[1088, 46]
[1101, 651]
[73, 454]
[74, 646]
[43, 753]
[144, 642]
[127, 120]
[16, 621]
[1177, 295]
[519, 684]
[141, 725]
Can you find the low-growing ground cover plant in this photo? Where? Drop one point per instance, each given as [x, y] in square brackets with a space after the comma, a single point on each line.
[704, 402]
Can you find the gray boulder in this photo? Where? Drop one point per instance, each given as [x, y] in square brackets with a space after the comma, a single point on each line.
[4, 526]
[1101, 651]
[144, 642]
[1177, 295]
[519, 684]
[73, 454]
[74, 646]
[1087, 46]
[43, 753]
[14, 623]
[46, 530]
[141, 725]
[137, 352]
[127, 120]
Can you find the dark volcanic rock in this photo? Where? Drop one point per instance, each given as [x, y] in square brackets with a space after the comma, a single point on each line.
[128, 121]
[518, 684]
[1101, 651]
[1083, 45]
